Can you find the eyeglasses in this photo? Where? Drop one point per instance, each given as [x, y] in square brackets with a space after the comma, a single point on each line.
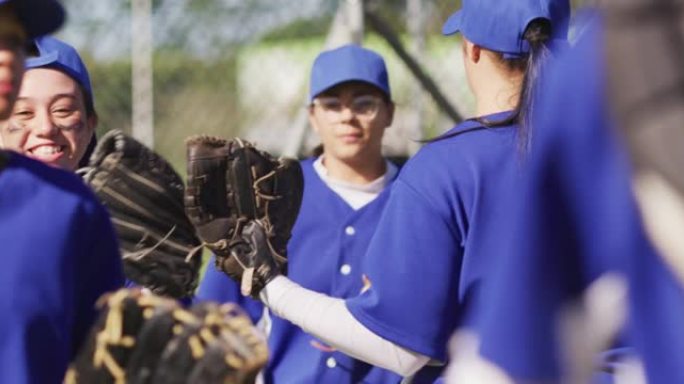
[364, 106]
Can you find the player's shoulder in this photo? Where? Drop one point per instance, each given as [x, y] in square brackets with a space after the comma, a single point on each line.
[308, 170]
[23, 170]
[307, 164]
[472, 137]
[307, 161]
[62, 187]
[466, 146]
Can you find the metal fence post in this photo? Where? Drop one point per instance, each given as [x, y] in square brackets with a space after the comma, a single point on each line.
[415, 19]
[347, 27]
[142, 72]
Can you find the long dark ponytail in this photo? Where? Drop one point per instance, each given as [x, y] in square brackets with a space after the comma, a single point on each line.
[537, 35]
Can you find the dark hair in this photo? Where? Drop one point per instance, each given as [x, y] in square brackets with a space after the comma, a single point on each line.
[317, 151]
[537, 35]
[90, 112]
[88, 102]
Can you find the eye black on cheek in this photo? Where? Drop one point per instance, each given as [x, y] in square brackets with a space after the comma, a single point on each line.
[13, 127]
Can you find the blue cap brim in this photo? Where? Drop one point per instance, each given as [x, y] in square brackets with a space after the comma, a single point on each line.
[453, 24]
[41, 61]
[334, 83]
[39, 17]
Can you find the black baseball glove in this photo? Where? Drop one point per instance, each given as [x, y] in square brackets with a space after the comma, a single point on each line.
[113, 338]
[144, 196]
[232, 184]
[224, 347]
[142, 338]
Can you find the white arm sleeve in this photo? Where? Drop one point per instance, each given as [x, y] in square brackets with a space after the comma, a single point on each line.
[328, 319]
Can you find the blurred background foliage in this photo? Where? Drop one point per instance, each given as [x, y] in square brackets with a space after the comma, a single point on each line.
[240, 67]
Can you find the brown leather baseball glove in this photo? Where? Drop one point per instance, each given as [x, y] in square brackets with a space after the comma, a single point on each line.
[231, 184]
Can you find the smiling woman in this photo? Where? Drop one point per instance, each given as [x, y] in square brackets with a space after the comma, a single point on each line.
[53, 119]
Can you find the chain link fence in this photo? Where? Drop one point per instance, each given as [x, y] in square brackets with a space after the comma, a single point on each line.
[241, 67]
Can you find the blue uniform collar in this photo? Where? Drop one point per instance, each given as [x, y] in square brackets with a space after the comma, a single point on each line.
[475, 124]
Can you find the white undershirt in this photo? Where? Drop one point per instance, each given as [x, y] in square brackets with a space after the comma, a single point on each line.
[356, 195]
[328, 319]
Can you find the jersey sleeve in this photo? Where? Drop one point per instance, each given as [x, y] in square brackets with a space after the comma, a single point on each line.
[99, 268]
[216, 286]
[412, 266]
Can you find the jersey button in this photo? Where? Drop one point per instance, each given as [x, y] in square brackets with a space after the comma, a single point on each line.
[331, 363]
[350, 230]
[345, 269]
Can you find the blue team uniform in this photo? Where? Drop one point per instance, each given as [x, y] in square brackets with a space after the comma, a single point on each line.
[575, 218]
[216, 286]
[326, 254]
[59, 255]
[429, 253]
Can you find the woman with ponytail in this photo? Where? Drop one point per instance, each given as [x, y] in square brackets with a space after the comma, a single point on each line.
[437, 237]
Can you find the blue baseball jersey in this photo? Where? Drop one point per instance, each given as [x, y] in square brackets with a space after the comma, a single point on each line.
[216, 286]
[429, 254]
[326, 254]
[574, 219]
[59, 254]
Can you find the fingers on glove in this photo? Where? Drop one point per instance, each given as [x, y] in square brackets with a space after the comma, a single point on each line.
[207, 201]
[167, 276]
[144, 196]
[143, 338]
[152, 339]
[223, 347]
[135, 180]
[236, 353]
[207, 163]
[282, 212]
[260, 262]
[245, 168]
[231, 184]
[108, 348]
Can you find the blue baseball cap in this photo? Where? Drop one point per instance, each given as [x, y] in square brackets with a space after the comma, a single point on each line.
[54, 53]
[348, 63]
[39, 17]
[500, 25]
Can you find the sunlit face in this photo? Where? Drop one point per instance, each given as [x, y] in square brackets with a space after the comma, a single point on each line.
[12, 37]
[49, 121]
[351, 119]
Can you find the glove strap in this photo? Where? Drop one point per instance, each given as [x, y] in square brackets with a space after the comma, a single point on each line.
[246, 283]
[142, 253]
